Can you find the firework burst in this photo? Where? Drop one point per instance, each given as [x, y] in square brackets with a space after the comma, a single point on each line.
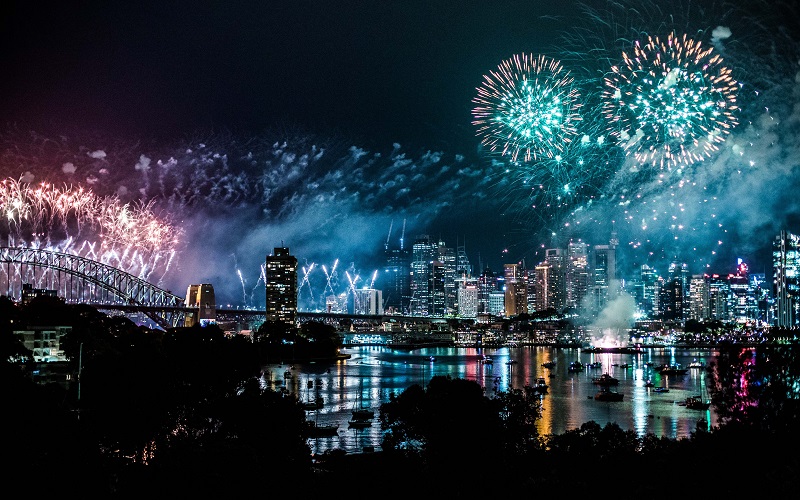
[129, 236]
[670, 102]
[527, 107]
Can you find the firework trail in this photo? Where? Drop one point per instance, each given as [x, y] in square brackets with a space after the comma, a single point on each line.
[233, 193]
[73, 220]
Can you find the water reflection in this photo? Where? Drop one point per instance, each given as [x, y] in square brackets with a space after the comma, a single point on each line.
[373, 373]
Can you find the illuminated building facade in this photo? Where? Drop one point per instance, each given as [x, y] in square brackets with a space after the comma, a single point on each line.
[786, 279]
[281, 284]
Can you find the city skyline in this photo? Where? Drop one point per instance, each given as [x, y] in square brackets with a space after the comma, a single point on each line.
[333, 129]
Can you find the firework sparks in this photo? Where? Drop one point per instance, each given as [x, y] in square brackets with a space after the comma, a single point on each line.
[527, 106]
[74, 220]
[671, 102]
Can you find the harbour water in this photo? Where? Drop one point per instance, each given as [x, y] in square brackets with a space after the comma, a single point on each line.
[374, 372]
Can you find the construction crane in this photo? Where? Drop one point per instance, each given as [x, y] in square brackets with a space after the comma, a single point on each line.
[386, 245]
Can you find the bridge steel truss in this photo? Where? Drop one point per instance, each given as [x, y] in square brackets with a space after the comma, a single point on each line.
[81, 280]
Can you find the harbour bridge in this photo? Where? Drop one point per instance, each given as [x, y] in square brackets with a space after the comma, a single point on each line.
[81, 280]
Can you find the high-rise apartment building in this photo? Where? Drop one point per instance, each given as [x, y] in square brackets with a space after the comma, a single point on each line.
[786, 279]
[281, 284]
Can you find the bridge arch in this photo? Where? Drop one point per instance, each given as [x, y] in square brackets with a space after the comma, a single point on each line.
[78, 279]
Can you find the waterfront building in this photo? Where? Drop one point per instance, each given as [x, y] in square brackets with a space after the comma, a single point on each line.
[281, 285]
[786, 279]
[29, 293]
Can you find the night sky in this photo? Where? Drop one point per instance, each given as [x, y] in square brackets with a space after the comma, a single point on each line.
[327, 126]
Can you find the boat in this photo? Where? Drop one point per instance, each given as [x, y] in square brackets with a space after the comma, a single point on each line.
[575, 366]
[487, 360]
[672, 369]
[605, 380]
[549, 364]
[606, 394]
[361, 413]
[316, 404]
[649, 383]
[696, 364]
[309, 403]
[313, 429]
[359, 423]
[696, 403]
[624, 365]
[511, 361]
[540, 386]
[596, 364]
[660, 389]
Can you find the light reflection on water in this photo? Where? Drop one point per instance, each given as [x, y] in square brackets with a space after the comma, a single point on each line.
[376, 372]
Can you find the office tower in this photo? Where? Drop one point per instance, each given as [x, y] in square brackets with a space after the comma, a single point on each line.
[487, 283]
[759, 292]
[786, 279]
[497, 299]
[740, 290]
[447, 257]
[516, 290]
[719, 298]
[368, 301]
[423, 252]
[397, 280]
[604, 272]
[698, 298]
[649, 283]
[671, 301]
[577, 274]
[281, 283]
[437, 287]
[467, 297]
[201, 298]
[551, 283]
[530, 286]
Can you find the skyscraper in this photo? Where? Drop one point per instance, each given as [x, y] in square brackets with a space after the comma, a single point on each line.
[281, 281]
[786, 279]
